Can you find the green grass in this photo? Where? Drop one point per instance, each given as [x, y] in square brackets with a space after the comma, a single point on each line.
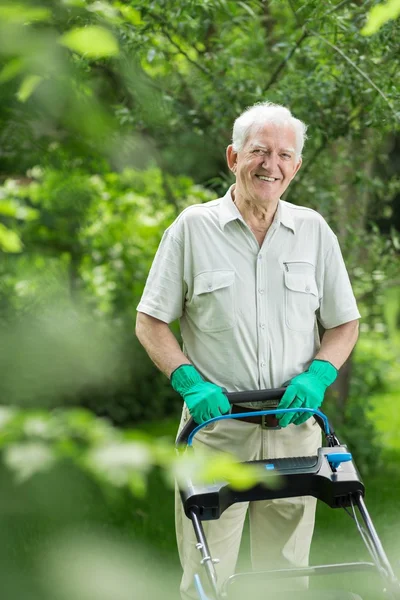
[337, 539]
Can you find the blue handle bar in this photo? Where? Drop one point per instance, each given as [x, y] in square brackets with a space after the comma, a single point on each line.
[260, 413]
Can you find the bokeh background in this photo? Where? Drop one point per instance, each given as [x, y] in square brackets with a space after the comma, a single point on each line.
[114, 116]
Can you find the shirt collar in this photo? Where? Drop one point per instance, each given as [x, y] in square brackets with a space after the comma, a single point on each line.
[284, 216]
[229, 212]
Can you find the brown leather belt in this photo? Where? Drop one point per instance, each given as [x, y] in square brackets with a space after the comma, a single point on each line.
[265, 421]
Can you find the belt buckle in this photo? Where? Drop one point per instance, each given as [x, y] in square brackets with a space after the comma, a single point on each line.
[264, 424]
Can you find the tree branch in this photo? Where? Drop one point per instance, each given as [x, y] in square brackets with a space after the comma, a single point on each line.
[301, 39]
[326, 141]
[285, 61]
[267, 22]
[162, 23]
[328, 12]
[335, 8]
[181, 51]
[292, 8]
[357, 68]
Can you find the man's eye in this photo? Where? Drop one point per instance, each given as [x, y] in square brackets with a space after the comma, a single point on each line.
[258, 151]
[286, 155]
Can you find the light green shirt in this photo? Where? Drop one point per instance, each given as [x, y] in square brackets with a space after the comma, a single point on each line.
[248, 314]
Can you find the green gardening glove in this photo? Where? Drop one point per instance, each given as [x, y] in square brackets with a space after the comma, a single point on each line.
[204, 400]
[306, 390]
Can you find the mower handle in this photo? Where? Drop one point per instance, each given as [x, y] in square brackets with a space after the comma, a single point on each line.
[270, 397]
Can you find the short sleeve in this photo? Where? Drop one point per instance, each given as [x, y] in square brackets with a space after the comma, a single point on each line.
[164, 292]
[338, 304]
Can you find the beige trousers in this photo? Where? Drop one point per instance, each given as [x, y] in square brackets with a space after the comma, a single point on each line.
[280, 530]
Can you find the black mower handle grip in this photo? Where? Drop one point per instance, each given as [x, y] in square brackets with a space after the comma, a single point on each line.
[270, 397]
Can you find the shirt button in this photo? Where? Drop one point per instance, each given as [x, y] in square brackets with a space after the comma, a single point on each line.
[260, 291]
[262, 326]
[209, 286]
[260, 257]
[307, 288]
[263, 364]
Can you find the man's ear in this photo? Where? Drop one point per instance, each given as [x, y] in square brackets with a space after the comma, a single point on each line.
[231, 158]
[297, 168]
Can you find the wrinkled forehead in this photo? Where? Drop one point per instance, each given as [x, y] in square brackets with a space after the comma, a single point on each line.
[280, 135]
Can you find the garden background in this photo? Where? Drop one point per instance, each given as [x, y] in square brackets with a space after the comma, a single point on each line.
[114, 116]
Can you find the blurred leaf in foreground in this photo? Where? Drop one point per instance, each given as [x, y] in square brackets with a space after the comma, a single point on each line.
[28, 86]
[9, 240]
[381, 14]
[17, 12]
[91, 41]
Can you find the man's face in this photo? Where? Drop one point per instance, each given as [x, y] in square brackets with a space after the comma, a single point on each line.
[266, 164]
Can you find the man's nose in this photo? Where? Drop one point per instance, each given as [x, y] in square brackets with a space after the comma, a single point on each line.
[270, 160]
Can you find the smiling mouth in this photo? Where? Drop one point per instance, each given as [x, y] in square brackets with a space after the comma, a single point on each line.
[269, 179]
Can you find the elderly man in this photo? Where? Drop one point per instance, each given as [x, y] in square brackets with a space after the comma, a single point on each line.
[248, 276]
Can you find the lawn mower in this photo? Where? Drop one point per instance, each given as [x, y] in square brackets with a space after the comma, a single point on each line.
[330, 476]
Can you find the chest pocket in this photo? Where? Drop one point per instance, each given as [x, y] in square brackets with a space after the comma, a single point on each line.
[301, 296]
[213, 303]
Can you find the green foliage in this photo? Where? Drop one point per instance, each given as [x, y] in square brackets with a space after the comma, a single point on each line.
[381, 14]
[33, 442]
[9, 240]
[70, 534]
[311, 56]
[88, 245]
[64, 510]
[28, 86]
[52, 355]
[368, 427]
[375, 365]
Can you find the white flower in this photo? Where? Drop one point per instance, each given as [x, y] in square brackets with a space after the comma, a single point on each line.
[117, 461]
[28, 458]
[6, 414]
[37, 426]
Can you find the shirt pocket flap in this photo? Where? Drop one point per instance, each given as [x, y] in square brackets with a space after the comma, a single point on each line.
[210, 281]
[301, 282]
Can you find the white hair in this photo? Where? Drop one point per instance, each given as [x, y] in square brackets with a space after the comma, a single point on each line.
[266, 112]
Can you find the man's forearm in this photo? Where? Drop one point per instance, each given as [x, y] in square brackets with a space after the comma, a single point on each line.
[160, 343]
[338, 342]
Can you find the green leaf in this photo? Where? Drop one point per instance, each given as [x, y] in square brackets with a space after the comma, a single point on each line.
[91, 41]
[78, 3]
[381, 14]
[11, 70]
[104, 9]
[8, 208]
[248, 9]
[137, 484]
[130, 14]
[22, 13]
[11, 208]
[28, 86]
[9, 240]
